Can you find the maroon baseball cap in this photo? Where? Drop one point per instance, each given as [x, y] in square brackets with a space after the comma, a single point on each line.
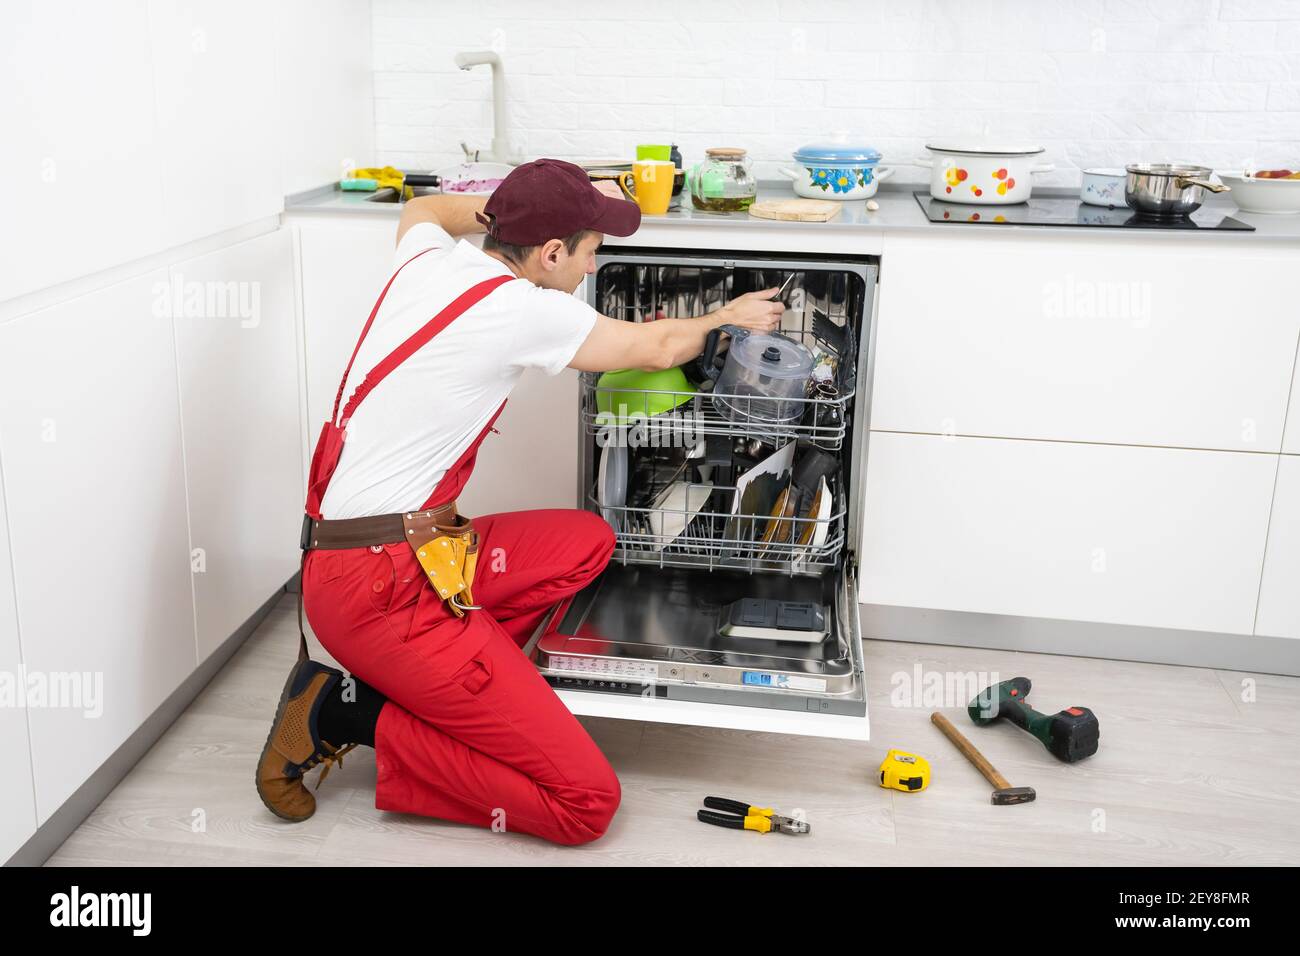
[552, 199]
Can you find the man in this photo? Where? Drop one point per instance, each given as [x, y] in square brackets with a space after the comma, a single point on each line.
[427, 611]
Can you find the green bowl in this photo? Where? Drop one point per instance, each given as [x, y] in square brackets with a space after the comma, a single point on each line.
[630, 394]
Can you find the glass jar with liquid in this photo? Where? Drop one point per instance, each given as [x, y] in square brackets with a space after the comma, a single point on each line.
[723, 182]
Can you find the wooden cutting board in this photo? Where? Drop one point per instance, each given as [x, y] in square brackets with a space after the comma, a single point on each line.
[796, 210]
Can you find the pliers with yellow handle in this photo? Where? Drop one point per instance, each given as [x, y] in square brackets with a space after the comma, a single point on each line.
[741, 816]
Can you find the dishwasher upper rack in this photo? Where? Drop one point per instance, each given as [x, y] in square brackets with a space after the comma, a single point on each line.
[816, 297]
[647, 290]
[821, 421]
[692, 537]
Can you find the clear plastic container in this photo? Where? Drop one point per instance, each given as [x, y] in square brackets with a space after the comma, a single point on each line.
[764, 379]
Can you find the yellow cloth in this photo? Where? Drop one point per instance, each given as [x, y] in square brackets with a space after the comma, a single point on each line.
[388, 178]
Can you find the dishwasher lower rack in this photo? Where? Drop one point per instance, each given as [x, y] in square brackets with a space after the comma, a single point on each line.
[691, 533]
[652, 635]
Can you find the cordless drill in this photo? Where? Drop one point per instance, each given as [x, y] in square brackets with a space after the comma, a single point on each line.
[1069, 735]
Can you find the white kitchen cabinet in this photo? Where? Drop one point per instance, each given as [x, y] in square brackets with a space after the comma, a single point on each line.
[91, 445]
[79, 155]
[533, 462]
[1104, 339]
[238, 364]
[344, 268]
[1160, 537]
[214, 73]
[17, 801]
[1279, 594]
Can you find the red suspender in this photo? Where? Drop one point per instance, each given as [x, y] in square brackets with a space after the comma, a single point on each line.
[412, 345]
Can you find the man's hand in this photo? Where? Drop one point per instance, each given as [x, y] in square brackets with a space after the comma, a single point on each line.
[664, 343]
[608, 187]
[756, 311]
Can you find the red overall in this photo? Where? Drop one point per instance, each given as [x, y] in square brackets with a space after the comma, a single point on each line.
[471, 732]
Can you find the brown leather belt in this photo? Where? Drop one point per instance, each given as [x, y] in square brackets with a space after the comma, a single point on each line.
[422, 530]
[340, 533]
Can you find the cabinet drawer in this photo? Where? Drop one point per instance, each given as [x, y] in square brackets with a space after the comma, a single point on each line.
[90, 437]
[243, 485]
[1146, 344]
[1145, 536]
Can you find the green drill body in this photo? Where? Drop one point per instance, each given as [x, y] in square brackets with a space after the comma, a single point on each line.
[1069, 735]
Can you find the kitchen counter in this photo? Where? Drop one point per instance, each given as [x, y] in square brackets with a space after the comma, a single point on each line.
[1046, 403]
[898, 214]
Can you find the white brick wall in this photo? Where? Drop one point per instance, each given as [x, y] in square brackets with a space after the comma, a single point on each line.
[1097, 82]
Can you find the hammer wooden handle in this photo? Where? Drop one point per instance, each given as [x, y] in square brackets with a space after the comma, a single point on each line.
[969, 752]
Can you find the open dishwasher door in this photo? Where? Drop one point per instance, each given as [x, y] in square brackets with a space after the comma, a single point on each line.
[645, 643]
[731, 597]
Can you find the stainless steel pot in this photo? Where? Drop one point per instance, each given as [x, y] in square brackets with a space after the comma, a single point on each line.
[1165, 189]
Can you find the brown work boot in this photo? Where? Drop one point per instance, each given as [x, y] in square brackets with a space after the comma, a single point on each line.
[295, 746]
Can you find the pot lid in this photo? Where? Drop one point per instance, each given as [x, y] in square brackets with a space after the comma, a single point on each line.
[837, 153]
[772, 355]
[1168, 169]
[973, 148]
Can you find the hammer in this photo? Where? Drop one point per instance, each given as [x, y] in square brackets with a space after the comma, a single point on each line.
[1003, 794]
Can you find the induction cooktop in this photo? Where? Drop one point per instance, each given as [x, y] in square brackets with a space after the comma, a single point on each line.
[1070, 212]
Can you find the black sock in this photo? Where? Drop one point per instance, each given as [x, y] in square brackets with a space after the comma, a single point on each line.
[349, 713]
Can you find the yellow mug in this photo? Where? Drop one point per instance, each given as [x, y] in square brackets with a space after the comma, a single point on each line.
[653, 185]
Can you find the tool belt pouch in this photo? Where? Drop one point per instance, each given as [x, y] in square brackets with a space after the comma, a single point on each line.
[448, 553]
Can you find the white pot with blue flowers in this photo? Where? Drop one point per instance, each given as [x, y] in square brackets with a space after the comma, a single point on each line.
[840, 170]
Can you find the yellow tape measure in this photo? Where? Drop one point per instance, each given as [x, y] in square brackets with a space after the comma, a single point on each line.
[901, 770]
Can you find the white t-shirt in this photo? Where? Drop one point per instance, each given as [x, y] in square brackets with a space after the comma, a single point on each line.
[415, 423]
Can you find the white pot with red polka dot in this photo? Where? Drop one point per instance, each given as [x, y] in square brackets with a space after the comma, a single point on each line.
[981, 175]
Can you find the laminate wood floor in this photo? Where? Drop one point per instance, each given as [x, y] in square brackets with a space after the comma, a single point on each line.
[1196, 767]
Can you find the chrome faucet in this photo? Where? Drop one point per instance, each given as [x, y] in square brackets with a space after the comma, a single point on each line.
[502, 152]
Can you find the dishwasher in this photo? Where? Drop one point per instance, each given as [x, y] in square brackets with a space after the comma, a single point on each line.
[730, 599]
